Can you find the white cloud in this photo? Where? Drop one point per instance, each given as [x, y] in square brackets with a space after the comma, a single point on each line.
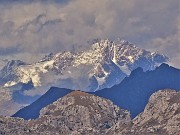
[71, 78]
[41, 27]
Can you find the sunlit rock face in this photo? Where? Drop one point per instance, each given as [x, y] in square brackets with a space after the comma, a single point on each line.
[75, 113]
[161, 116]
[80, 113]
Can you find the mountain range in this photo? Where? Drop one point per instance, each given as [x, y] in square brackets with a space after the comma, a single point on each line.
[160, 117]
[80, 113]
[103, 65]
[76, 113]
[127, 91]
[134, 91]
[131, 94]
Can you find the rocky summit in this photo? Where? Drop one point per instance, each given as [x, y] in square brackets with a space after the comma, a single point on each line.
[161, 116]
[76, 113]
[79, 113]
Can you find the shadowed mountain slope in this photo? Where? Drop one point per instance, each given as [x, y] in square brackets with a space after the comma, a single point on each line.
[131, 94]
[134, 91]
[32, 111]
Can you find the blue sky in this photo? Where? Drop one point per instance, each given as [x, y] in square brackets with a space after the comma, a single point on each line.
[30, 28]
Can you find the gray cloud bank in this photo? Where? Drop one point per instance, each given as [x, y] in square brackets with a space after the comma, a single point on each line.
[32, 28]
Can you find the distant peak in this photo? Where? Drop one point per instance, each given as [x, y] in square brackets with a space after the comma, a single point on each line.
[164, 65]
[106, 61]
[122, 41]
[93, 41]
[47, 57]
[14, 63]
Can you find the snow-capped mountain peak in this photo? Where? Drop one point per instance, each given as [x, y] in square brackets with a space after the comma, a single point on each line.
[105, 64]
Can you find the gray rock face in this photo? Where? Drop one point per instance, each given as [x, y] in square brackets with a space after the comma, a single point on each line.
[161, 116]
[80, 113]
[76, 113]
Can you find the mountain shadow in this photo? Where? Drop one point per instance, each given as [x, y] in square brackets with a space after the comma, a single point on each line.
[131, 94]
[134, 91]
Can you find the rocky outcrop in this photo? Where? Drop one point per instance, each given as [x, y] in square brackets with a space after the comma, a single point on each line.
[79, 113]
[75, 113]
[161, 116]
